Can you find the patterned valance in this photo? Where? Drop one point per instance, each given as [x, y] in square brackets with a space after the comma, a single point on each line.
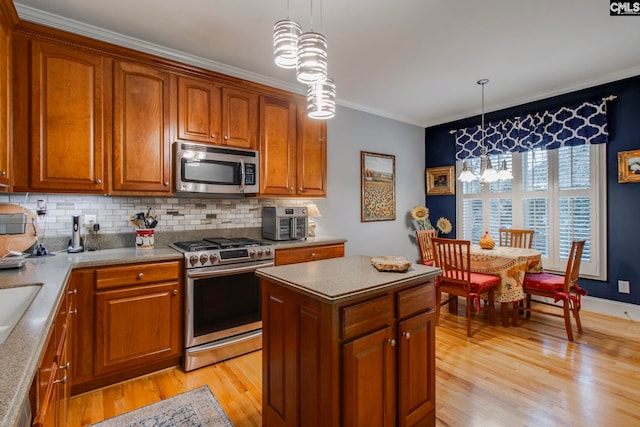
[566, 126]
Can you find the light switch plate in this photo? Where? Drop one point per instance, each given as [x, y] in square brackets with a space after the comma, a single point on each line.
[623, 286]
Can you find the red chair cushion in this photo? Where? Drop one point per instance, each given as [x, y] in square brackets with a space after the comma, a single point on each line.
[544, 282]
[429, 263]
[481, 282]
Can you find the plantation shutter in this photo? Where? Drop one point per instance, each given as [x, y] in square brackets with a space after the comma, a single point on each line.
[472, 213]
[501, 216]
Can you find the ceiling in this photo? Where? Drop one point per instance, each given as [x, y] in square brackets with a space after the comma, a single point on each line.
[416, 61]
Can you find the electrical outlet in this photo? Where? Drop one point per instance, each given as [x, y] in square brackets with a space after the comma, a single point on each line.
[623, 286]
[89, 220]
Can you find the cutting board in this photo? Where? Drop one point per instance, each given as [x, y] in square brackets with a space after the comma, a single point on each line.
[18, 242]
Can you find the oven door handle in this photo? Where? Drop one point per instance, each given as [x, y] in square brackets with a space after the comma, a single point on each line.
[214, 272]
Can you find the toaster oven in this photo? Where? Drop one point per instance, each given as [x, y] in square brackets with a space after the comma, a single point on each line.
[284, 223]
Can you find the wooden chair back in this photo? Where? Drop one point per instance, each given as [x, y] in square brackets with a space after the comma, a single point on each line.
[516, 238]
[572, 273]
[424, 243]
[453, 257]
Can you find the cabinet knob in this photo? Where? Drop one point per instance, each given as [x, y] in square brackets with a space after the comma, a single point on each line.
[140, 275]
[226, 137]
[407, 335]
[175, 292]
[313, 254]
[72, 292]
[98, 181]
[290, 188]
[65, 366]
[301, 190]
[3, 173]
[392, 342]
[213, 135]
[74, 311]
[166, 183]
[62, 380]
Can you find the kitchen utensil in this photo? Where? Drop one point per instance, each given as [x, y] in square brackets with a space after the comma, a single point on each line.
[75, 243]
[18, 242]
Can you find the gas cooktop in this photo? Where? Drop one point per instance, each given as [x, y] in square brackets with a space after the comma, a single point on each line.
[213, 251]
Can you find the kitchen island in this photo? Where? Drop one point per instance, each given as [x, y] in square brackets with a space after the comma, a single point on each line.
[345, 344]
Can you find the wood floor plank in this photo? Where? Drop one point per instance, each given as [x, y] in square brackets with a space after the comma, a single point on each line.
[524, 376]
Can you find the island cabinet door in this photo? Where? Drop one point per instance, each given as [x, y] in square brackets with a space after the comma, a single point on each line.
[296, 360]
[416, 370]
[369, 380]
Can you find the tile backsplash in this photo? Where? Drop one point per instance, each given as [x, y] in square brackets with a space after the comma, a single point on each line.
[174, 214]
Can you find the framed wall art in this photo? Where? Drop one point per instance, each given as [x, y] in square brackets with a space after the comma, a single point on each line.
[441, 181]
[377, 187]
[629, 166]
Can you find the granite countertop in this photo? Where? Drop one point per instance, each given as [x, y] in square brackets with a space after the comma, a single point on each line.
[338, 279]
[20, 353]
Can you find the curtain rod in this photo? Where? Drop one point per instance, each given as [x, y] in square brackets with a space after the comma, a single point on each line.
[606, 98]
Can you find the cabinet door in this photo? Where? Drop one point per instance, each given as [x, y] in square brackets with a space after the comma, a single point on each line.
[5, 101]
[369, 380]
[67, 119]
[136, 325]
[82, 334]
[141, 146]
[312, 156]
[199, 111]
[239, 118]
[277, 146]
[416, 370]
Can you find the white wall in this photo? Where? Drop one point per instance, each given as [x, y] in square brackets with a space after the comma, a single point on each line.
[349, 133]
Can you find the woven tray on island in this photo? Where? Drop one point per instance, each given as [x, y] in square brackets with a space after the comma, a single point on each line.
[391, 263]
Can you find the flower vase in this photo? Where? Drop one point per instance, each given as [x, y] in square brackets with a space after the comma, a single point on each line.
[487, 242]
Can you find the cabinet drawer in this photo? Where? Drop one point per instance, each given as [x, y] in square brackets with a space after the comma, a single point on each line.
[311, 253]
[415, 300]
[368, 316]
[137, 274]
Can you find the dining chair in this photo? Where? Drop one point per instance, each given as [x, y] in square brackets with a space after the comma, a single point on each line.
[560, 288]
[453, 257]
[424, 243]
[516, 238]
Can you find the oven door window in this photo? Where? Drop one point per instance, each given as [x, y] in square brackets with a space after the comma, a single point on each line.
[225, 302]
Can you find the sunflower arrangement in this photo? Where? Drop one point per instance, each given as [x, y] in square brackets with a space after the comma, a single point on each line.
[420, 215]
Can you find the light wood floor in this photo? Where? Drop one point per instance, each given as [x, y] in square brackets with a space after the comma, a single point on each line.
[525, 376]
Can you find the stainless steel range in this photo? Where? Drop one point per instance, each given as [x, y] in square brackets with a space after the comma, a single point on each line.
[223, 299]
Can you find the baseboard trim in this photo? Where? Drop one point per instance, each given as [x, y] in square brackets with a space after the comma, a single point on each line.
[607, 307]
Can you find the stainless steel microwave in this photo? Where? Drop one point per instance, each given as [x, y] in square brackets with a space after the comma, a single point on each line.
[203, 169]
[284, 223]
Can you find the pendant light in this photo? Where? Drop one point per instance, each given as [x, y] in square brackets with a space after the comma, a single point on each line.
[488, 173]
[285, 42]
[504, 173]
[311, 65]
[321, 100]
[467, 174]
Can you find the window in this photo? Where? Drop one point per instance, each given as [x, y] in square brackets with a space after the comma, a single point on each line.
[560, 194]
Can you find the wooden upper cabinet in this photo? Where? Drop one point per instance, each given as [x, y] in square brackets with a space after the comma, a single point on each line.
[5, 101]
[239, 118]
[312, 156]
[68, 87]
[141, 115]
[216, 114]
[199, 111]
[277, 146]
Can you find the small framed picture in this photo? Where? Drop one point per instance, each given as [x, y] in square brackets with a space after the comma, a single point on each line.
[441, 181]
[629, 166]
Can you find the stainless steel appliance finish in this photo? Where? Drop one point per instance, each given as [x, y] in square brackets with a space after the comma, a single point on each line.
[75, 243]
[203, 169]
[223, 299]
[285, 222]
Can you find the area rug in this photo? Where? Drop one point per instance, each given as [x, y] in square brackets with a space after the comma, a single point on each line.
[195, 408]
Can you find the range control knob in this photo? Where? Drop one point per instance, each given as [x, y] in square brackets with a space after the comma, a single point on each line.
[213, 257]
[259, 252]
[193, 260]
[267, 251]
[204, 258]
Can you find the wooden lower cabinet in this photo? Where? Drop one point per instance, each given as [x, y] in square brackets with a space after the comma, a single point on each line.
[52, 378]
[130, 322]
[308, 253]
[365, 362]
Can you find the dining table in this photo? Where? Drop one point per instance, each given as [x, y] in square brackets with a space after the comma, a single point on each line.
[510, 264]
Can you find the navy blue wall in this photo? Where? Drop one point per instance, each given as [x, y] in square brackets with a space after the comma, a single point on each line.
[623, 210]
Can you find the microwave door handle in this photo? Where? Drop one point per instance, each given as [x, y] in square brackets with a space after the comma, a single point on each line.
[241, 174]
[292, 228]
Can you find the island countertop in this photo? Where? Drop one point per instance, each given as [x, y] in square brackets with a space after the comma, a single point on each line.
[338, 279]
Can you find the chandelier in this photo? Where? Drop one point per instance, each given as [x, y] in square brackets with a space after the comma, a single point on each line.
[307, 53]
[487, 172]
